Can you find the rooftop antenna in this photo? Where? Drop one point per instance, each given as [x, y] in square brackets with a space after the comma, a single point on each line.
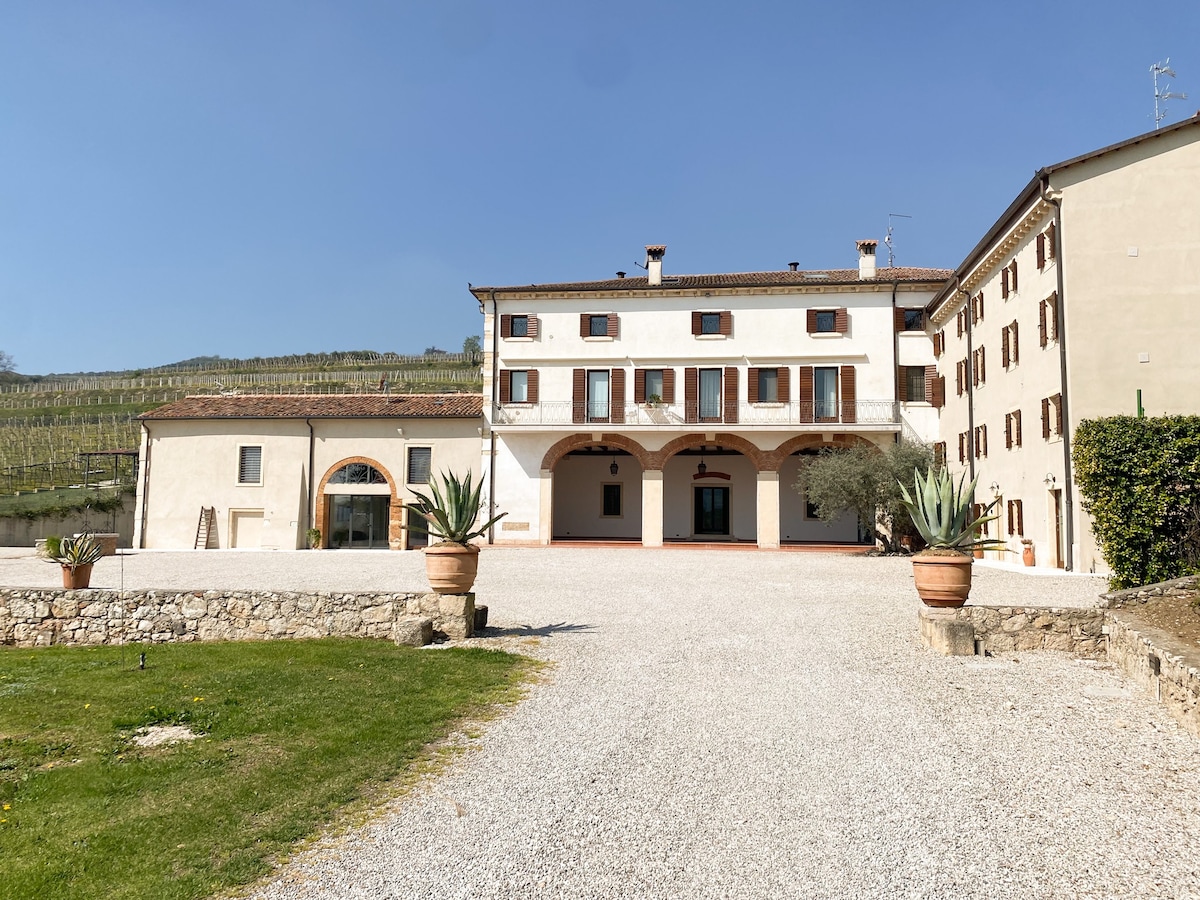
[1161, 94]
[888, 240]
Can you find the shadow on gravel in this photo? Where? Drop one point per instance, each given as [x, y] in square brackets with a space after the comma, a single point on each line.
[530, 631]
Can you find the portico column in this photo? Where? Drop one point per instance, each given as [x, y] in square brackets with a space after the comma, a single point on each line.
[768, 510]
[545, 505]
[652, 507]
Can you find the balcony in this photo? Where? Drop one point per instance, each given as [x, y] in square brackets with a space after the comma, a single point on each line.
[809, 414]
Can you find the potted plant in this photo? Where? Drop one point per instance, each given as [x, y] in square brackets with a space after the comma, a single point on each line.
[314, 538]
[1027, 552]
[452, 513]
[77, 555]
[942, 514]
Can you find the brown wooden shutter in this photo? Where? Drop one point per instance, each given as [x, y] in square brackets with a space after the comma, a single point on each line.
[841, 321]
[639, 385]
[849, 395]
[1004, 283]
[1004, 347]
[806, 393]
[691, 395]
[981, 306]
[1017, 420]
[1020, 516]
[533, 326]
[938, 344]
[1041, 250]
[962, 445]
[579, 395]
[1008, 431]
[1014, 353]
[1052, 314]
[936, 388]
[898, 317]
[1013, 267]
[930, 382]
[697, 322]
[983, 433]
[505, 326]
[668, 394]
[617, 400]
[1042, 339]
[1010, 518]
[812, 321]
[585, 325]
[532, 375]
[1058, 415]
[903, 380]
[783, 378]
[1051, 242]
[731, 394]
[752, 385]
[1046, 418]
[958, 378]
[505, 386]
[613, 322]
[726, 324]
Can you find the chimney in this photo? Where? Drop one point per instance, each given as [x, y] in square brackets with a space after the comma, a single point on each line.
[620, 274]
[866, 258]
[654, 255]
[793, 266]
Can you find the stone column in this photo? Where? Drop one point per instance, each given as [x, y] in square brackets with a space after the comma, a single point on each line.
[652, 507]
[768, 510]
[545, 505]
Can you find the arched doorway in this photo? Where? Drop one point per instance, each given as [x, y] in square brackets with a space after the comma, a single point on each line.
[798, 520]
[710, 490]
[356, 507]
[597, 495]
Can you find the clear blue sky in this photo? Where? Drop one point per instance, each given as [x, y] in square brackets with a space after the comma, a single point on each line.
[257, 178]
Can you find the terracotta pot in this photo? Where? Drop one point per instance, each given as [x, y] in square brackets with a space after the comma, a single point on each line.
[1027, 555]
[451, 568]
[79, 577]
[942, 580]
[978, 553]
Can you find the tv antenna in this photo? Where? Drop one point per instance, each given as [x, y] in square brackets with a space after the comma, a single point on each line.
[888, 240]
[1161, 94]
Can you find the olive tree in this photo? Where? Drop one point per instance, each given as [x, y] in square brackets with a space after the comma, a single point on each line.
[865, 480]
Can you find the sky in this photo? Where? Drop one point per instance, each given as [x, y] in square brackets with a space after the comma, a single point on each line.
[258, 178]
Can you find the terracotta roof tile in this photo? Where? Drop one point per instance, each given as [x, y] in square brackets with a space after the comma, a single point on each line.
[321, 406]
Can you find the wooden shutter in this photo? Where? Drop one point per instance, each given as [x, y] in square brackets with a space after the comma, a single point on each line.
[939, 341]
[1020, 510]
[898, 317]
[726, 325]
[962, 447]
[1046, 418]
[731, 394]
[806, 393]
[639, 385]
[1010, 518]
[579, 395]
[532, 375]
[533, 326]
[783, 378]
[612, 325]
[958, 320]
[902, 390]
[1042, 338]
[1017, 420]
[691, 395]
[585, 325]
[939, 453]
[812, 321]
[980, 306]
[935, 387]
[668, 394]
[752, 385]
[1008, 431]
[983, 435]
[1051, 242]
[841, 321]
[1041, 250]
[1058, 415]
[505, 326]
[697, 322]
[958, 378]
[1013, 278]
[505, 386]
[1004, 283]
[1004, 351]
[617, 399]
[1052, 315]
[849, 395]
[1014, 352]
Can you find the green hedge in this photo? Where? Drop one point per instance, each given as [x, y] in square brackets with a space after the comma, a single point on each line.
[1140, 481]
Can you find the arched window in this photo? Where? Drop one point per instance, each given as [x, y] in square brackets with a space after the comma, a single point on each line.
[357, 473]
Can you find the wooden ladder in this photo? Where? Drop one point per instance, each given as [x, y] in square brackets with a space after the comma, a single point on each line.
[204, 527]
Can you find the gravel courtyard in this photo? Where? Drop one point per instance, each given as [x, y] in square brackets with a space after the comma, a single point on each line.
[738, 723]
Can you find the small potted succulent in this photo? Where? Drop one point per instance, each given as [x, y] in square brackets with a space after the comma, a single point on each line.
[942, 514]
[314, 538]
[452, 513]
[77, 555]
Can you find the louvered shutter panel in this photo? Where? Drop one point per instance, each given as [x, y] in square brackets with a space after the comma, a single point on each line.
[1004, 347]
[1041, 250]
[639, 385]
[1042, 340]
[931, 378]
[958, 378]
[579, 395]
[731, 394]
[1046, 418]
[668, 394]
[937, 395]
[812, 321]
[841, 321]
[691, 395]
[533, 326]
[962, 453]
[613, 322]
[532, 386]
[1013, 352]
[617, 404]
[1052, 314]
[981, 306]
[505, 386]
[1017, 420]
[903, 384]
[697, 322]
[983, 432]
[898, 318]
[1020, 516]
[752, 385]
[505, 326]
[585, 325]
[1010, 517]
[1051, 242]
[937, 345]
[849, 395]
[1058, 415]
[726, 324]
[806, 393]
[1008, 431]
[1004, 283]
[783, 378]
[1013, 279]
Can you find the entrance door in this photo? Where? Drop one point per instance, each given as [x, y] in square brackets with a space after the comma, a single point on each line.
[1059, 549]
[712, 510]
[245, 529]
[359, 521]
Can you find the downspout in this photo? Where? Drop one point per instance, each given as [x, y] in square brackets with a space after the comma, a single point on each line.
[491, 419]
[968, 374]
[312, 501]
[1060, 334]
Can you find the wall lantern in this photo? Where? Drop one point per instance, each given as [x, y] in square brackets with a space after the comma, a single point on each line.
[1048, 481]
[613, 466]
[701, 468]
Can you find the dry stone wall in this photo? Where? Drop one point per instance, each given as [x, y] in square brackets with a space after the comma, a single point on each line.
[1004, 629]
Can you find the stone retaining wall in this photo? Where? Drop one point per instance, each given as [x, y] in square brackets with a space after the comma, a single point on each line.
[1178, 587]
[1006, 629]
[1145, 656]
[34, 617]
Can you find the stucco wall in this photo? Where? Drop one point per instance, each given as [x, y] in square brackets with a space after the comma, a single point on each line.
[578, 498]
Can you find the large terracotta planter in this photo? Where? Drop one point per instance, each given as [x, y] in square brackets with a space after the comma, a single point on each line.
[942, 580]
[451, 568]
[1027, 554]
[78, 577]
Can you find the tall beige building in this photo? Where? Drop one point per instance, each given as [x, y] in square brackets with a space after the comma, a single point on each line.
[1084, 292]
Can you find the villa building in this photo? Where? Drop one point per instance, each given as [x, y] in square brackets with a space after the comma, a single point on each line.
[677, 408]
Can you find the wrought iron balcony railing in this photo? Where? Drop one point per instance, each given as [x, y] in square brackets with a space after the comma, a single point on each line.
[816, 413]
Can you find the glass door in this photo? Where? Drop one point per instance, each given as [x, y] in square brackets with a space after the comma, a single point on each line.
[359, 522]
[712, 510]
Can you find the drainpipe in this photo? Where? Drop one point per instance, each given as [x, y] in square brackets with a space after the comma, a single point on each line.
[970, 385]
[491, 418]
[1060, 333]
[311, 505]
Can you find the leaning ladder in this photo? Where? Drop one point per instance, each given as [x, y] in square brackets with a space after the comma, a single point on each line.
[204, 527]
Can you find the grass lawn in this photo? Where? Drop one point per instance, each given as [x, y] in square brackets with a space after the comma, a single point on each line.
[29, 503]
[291, 731]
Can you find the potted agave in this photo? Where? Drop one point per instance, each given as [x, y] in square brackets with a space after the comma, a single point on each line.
[452, 513]
[77, 555]
[941, 513]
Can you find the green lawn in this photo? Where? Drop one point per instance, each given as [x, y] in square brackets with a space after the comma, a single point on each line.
[52, 501]
[291, 732]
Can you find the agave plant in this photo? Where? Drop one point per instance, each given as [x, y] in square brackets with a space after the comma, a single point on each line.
[77, 551]
[942, 513]
[453, 511]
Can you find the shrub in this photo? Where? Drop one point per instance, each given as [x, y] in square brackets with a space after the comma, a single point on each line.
[1140, 482]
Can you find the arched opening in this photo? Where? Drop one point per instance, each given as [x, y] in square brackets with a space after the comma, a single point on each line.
[597, 495]
[710, 491]
[357, 507]
[798, 520]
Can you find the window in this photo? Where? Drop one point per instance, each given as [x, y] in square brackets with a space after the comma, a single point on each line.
[357, 473]
[980, 441]
[594, 325]
[825, 392]
[710, 394]
[1009, 349]
[612, 500]
[598, 395]
[518, 387]
[1016, 518]
[654, 386]
[914, 384]
[914, 320]
[710, 323]
[1012, 429]
[520, 326]
[939, 454]
[960, 319]
[419, 461]
[977, 308]
[810, 510]
[826, 321]
[249, 465]
[978, 367]
[960, 376]
[1052, 416]
[962, 446]
[1046, 248]
[768, 385]
[1008, 280]
[598, 326]
[1048, 320]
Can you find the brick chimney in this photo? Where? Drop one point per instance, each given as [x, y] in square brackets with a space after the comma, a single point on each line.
[654, 255]
[866, 258]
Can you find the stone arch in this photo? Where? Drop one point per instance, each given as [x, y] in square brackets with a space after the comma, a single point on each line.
[773, 459]
[579, 441]
[395, 508]
[688, 441]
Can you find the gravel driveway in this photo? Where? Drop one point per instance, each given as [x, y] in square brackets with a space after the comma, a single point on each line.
[749, 724]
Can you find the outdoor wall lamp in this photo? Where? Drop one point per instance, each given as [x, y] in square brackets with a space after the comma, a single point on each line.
[702, 468]
[994, 487]
[1049, 479]
[612, 467]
